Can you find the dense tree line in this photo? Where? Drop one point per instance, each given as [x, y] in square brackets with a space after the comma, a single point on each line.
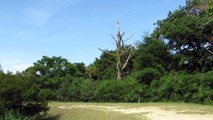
[174, 63]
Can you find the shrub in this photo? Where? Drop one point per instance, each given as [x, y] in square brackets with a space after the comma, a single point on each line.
[197, 88]
[19, 93]
[147, 75]
[76, 89]
[117, 91]
[11, 115]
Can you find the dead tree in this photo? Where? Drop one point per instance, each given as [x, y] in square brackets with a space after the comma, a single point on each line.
[121, 52]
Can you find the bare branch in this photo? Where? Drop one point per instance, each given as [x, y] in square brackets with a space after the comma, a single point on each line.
[210, 52]
[123, 52]
[126, 51]
[122, 34]
[106, 51]
[130, 54]
[126, 61]
[129, 38]
[101, 50]
[114, 39]
[125, 72]
[112, 62]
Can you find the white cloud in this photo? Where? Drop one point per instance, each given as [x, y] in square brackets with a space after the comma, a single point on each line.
[19, 67]
[38, 17]
[40, 13]
[14, 65]
[15, 61]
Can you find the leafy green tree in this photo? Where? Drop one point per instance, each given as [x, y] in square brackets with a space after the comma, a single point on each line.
[52, 67]
[153, 53]
[49, 72]
[92, 71]
[183, 30]
[151, 61]
[80, 69]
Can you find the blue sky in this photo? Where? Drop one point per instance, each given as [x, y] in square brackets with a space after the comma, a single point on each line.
[73, 29]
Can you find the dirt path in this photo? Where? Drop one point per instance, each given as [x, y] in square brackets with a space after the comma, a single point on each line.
[152, 112]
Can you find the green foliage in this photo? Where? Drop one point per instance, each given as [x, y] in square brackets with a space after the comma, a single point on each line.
[117, 91]
[11, 115]
[20, 93]
[147, 75]
[50, 72]
[209, 8]
[80, 69]
[76, 89]
[104, 67]
[132, 90]
[188, 32]
[151, 53]
[109, 91]
[196, 88]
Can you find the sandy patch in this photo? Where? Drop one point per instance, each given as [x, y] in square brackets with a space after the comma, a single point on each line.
[151, 113]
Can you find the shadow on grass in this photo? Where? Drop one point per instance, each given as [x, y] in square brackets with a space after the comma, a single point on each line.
[52, 117]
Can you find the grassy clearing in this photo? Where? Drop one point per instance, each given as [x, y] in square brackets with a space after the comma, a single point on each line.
[188, 108]
[74, 111]
[84, 113]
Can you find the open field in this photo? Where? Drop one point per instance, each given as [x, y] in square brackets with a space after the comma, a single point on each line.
[130, 111]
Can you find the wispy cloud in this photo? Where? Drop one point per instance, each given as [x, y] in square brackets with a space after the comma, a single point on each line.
[14, 60]
[14, 65]
[42, 11]
[19, 67]
[38, 17]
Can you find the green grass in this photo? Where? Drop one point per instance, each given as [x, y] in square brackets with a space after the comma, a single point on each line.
[85, 114]
[74, 112]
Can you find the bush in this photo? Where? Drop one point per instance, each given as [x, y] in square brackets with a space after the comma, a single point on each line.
[76, 89]
[19, 93]
[148, 79]
[147, 75]
[132, 90]
[11, 115]
[204, 93]
[117, 91]
[109, 90]
[197, 88]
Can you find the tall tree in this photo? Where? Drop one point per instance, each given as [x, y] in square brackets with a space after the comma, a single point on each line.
[49, 73]
[153, 53]
[121, 51]
[188, 32]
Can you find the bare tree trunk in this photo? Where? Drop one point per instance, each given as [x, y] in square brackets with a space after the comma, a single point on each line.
[119, 73]
[118, 54]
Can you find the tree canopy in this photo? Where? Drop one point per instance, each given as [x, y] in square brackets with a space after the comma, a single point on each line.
[188, 32]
